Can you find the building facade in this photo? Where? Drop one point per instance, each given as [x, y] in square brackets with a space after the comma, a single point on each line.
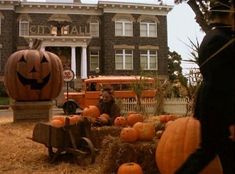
[108, 38]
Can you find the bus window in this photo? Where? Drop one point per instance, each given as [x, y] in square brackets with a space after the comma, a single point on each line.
[91, 86]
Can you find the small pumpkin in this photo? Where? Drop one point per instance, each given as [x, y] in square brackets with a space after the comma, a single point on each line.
[146, 131]
[104, 118]
[128, 134]
[57, 123]
[38, 73]
[91, 111]
[166, 118]
[120, 121]
[59, 117]
[134, 118]
[130, 168]
[74, 119]
[181, 138]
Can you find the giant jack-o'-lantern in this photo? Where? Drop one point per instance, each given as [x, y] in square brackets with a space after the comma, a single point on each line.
[32, 75]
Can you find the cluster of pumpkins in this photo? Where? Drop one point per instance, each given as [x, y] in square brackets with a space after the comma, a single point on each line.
[59, 121]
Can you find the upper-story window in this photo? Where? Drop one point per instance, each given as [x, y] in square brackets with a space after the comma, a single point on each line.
[123, 28]
[94, 28]
[123, 59]
[24, 21]
[94, 60]
[24, 28]
[148, 60]
[148, 26]
[123, 25]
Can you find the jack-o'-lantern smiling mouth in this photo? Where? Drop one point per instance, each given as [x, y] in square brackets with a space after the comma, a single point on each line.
[34, 84]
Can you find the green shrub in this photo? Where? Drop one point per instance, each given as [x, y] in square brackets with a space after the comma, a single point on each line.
[3, 92]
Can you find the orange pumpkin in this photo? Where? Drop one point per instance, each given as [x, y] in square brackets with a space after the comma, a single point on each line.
[38, 73]
[91, 111]
[181, 138]
[166, 118]
[104, 118]
[59, 117]
[74, 119]
[120, 121]
[146, 131]
[134, 118]
[128, 134]
[57, 123]
[130, 168]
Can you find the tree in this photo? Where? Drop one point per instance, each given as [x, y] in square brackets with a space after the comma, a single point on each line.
[175, 72]
[201, 10]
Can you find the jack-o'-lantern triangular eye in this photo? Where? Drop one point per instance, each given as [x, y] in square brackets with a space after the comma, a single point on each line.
[22, 59]
[44, 60]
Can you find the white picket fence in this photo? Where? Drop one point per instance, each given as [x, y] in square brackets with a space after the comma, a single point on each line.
[171, 105]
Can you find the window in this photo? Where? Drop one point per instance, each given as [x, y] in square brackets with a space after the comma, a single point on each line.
[94, 60]
[94, 28]
[23, 27]
[148, 29]
[148, 60]
[123, 27]
[123, 59]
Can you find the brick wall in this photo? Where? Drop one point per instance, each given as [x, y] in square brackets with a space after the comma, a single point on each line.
[7, 37]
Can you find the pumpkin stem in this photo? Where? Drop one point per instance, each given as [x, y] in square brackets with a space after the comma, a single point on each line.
[36, 45]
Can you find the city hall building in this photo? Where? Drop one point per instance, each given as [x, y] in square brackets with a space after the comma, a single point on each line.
[107, 38]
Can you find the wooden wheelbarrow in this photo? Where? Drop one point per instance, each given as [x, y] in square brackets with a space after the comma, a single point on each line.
[73, 139]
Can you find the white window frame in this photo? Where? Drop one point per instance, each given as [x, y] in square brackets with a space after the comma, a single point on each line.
[147, 33]
[94, 56]
[124, 56]
[148, 55]
[94, 28]
[124, 23]
[26, 32]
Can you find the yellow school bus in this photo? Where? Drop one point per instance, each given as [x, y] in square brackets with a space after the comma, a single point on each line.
[121, 85]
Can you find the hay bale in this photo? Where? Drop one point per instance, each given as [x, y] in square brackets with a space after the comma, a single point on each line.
[115, 152]
[99, 133]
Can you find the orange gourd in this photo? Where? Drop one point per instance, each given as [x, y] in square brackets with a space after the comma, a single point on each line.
[120, 121]
[32, 75]
[130, 168]
[74, 119]
[91, 111]
[104, 118]
[181, 138]
[59, 117]
[134, 118]
[146, 131]
[128, 134]
[57, 123]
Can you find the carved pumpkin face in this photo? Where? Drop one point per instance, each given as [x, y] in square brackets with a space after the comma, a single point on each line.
[33, 75]
[33, 72]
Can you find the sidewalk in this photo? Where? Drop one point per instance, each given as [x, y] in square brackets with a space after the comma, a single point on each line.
[9, 112]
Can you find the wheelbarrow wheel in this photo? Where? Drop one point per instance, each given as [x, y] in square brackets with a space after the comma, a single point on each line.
[87, 146]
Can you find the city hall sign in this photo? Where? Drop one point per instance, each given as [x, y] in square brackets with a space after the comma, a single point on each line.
[47, 30]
